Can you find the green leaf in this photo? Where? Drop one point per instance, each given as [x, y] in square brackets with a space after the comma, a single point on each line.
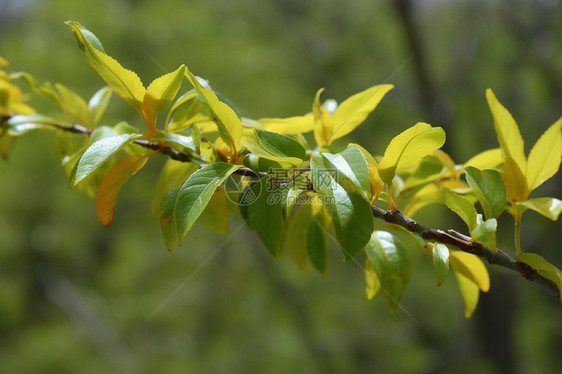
[167, 218]
[547, 206]
[485, 232]
[96, 155]
[488, 187]
[173, 174]
[543, 267]
[507, 131]
[189, 139]
[195, 193]
[546, 154]
[265, 214]
[316, 247]
[372, 283]
[160, 93]
[228, 123]
[375, 180]
[354, 110]
[391, 264]
[441, 262]
[408, 148]
[462, 207]
[253, 144]
[99, 102]
[351, 214]
[469, 293]
[351, 165]
[124, 82]
[280, 145]
[471, 267]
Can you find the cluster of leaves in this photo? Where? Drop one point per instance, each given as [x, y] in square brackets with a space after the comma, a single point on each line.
[292, 194]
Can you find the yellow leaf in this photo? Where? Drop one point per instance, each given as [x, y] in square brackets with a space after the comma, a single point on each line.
[544, 159]
[228, 123]
[160, 94]
[355, 109]
[323, 122]
[124, 82]
[115, 178]
[407, 148]
[469, 293]
[514, 180]
[490, 159]
[508, 133]
[471, 267]
[289, 126]
[372, 282]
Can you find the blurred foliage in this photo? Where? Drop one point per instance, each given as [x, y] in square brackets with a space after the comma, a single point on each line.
[75, 297]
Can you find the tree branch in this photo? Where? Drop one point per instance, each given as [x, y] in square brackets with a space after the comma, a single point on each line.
[156, 146]
[464, 243]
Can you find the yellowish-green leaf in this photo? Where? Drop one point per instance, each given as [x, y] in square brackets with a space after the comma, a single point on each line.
[74, 106]
[372, 283]
[215, 215]
[160, 94]
[469, 293]
[117, 176]
[463, 207]
[428, 194]
[406, 149]
[355, 109]
[547, 206]
[471, 267]
[546, 154]
[289, 126]
[124, 82]
[507, 131]
[173, 174]
[228, 123]
[297, 230]
[490, 159]
[323, 122]
[543, 267]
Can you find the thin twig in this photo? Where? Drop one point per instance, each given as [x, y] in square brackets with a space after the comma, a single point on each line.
[499, 258]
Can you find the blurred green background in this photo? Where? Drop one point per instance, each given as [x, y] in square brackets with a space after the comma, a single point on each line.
[78, 298]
